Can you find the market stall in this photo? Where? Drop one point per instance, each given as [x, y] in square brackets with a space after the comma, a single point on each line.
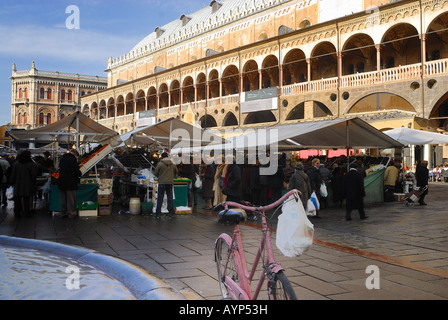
[140, 151]
[412, 137]
[74, 130]
[337, 134]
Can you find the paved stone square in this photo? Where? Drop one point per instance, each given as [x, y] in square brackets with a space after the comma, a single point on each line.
[408, 245]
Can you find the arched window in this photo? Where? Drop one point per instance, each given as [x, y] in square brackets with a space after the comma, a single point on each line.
[42, 93]
[20, 93]
[49, 118]
[41, 118]
[62, 94]
[390, 62]
[49, 93]
[435, 55]
[19, 120]
[70, 95]
[25, 118]
[360, 67]
[26, 93]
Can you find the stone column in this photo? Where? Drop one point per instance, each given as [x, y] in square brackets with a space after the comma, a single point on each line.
[308, 73]
[378, 57]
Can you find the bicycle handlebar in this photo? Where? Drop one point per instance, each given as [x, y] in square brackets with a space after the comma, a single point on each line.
[260, 209]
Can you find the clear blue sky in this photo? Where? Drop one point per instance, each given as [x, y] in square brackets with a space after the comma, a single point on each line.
[35, 30]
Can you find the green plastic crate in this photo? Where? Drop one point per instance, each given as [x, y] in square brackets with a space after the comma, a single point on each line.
[87, 205]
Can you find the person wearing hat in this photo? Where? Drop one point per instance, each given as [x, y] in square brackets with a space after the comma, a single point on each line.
[165, 172]
[69, 177]
[300, 181]
[354, 192]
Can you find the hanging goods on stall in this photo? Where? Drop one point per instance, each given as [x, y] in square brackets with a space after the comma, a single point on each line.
[135, 206]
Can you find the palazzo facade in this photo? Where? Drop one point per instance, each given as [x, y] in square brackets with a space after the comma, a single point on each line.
[41, 97]
[243, 63]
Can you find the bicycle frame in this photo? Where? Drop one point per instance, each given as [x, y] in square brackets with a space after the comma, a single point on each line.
[270, 266]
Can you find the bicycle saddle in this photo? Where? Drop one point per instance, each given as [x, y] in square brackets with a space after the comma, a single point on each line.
[232, 216]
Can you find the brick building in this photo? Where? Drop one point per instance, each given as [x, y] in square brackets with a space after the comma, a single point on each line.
[243, 63]
[43, 97]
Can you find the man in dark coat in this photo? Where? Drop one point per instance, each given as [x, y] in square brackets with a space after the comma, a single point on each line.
[354, 192]
[69, 175]
[23, 177]
[233, 187]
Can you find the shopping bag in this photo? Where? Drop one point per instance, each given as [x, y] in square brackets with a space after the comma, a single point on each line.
[198, 182]
[323, 190]
[10, 193]
[310, 208]
[315, 201]
[294, 231]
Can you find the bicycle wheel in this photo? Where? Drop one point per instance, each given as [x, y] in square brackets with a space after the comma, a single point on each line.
[279, 288]
[225, 268]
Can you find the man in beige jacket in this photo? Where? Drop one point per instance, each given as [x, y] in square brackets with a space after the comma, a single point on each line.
[165, 171]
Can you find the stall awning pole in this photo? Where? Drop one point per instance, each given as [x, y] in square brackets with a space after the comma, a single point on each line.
[347, 133]
[171, 131]
[77, 133]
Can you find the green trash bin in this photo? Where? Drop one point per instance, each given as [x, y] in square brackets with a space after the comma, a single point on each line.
[147, 207]
[181, 196]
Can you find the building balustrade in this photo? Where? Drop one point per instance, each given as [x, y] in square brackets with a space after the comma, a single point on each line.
[384, 76]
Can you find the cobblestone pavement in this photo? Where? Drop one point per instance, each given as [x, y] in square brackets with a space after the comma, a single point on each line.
[408, 245]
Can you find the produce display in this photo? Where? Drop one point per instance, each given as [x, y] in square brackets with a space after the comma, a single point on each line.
[88, 156]
[88, 160]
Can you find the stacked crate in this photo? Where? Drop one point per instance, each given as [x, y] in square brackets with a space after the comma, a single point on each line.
[105, 197]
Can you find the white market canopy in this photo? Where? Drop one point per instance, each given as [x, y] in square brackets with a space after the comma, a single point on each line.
[169, 133]
[77, 125]
[408, 136]
[52, 148]
[327, 134]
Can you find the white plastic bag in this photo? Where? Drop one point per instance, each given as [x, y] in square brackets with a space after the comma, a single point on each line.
[46, 188]
[294, 231]
[198, 182]
[315, 200]
[310, 208]
[323, 190]
[313, 205]
[10, 193]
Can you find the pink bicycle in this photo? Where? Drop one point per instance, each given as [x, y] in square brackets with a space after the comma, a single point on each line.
[233, 275]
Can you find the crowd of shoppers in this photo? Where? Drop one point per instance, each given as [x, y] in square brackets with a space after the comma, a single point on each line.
[19, 173]
[226, 181]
